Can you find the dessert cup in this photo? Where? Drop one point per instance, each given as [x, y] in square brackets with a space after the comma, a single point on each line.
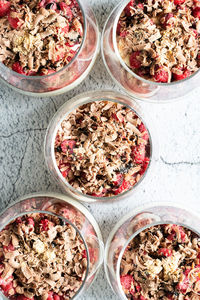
[70, 106]
[135, 222]
[77, 215]
[131, 83]
[69, 76]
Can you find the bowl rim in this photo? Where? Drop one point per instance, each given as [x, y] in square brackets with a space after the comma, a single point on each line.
[101, 95]
[121, 7]
[37, 77]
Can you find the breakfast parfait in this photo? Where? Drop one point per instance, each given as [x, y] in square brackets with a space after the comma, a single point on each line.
[41, 257]
[102, 148]
[159, 40]
[162, 262]
[39, 37]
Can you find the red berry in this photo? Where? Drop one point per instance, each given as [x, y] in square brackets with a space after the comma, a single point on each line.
[144, 132]
[144, 166]
[170, 297]
[4, 8]
[179, 2]
[134, 62]
[44, 224]
[161, 75]
[138, 153]
[165, 252]
[167, 18]
[119, 180]
[56, 297]
[142, 298]
[9, 248]
[68, 145]
[140, 5]
[18, 220]
[22, 297]
[50, 296]
[128, 7]
[171, 236]
[15, 23]
[126, 281]
[18, 68]
[185, 73]
[118, 28]
[183, 285]
[67, 10]
[196, 12]
[124, 187]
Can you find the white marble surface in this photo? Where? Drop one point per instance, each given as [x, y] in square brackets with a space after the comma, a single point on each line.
[23, 121]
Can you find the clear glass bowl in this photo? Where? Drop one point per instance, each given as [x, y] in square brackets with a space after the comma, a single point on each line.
[69, 76]
[133, 84]
[135, 222]
[67, 108]
[74, 213]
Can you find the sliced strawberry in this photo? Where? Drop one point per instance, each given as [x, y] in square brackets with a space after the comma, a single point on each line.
[167, 18]
[4, 8]
[138, 153]
[124, 187]
[134, 61]
[126, 281]
[196, 12]
[165, 252]
[18, 68]
[185, 73]
[161, 75]
[66, 10]
[68, 145]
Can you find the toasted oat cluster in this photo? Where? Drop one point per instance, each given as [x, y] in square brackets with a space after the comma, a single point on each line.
[41, 257]
[162, 262]
[160, 39]
[39, 37]
[102, 148]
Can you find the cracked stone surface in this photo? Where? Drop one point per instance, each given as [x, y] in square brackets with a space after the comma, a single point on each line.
[175, 178]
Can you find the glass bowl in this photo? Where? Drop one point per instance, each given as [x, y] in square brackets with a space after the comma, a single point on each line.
[135, 222]
[67, 108]
[131, 83]
[72, 212]
[68, 77]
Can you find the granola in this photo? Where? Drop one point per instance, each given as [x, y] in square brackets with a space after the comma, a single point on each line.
[160, 40]
[159, 263]
[39, 37]
[41, 257]
[102, 148]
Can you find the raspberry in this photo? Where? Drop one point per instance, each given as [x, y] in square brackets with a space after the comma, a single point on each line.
[18, 220]
[179, 2]
[56, 297]
[15, 23]
[140, 6]
[119, 180]
[134, 62]
[44, 225]
[196, 12]
[185, 73]
[4, 8]
[22, 297]
[138, 153]
[68, 144]
[171, 236]
[18, 68]
[165, 252]
[144, 166]
[167, 18]
[143, 130]
[67, 10]
[9, 248]
[124, 187]
[128, 7]
[126, 281]
[142, 298]
[161, 75]
[65, 173]
[50, 296]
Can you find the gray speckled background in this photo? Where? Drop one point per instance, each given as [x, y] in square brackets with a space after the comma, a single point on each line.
[23, 121]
